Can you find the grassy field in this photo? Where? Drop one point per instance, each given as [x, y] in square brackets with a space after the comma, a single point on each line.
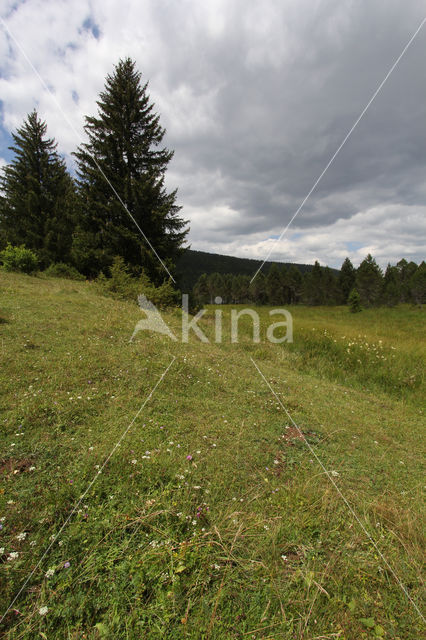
[214, 518]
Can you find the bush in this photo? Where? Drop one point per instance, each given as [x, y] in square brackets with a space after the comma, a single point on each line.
[123, 286]
[62, 270]
[18, 259]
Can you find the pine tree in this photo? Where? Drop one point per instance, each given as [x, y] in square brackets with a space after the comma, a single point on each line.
[354, 301]
[391, 286]
[274, 285]
[418, 284]
[123, 160]
[347, 277]
[295, 280]
[406, 271]
[201, 289]
[36, 205]
[313, 285]
[330, 287]
[257, 289]
[369, 279]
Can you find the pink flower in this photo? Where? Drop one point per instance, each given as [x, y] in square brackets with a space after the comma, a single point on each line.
[189, 457]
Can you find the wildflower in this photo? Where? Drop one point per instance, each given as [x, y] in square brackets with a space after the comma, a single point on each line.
[21, 536]
[67, 565]
[276, 462]
[49, 573]
[189, 457]
[1, 551]
[134, 461]
[43, 610]
[33, 543]
[13, 555]
[284, 557]
[31, 469]
[334, 473]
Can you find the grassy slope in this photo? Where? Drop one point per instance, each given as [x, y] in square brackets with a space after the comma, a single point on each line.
[142, 564]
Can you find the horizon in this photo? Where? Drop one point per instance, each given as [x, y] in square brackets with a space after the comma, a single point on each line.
[254, 110]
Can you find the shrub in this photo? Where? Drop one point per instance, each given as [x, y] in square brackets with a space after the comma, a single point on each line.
[354, 301]
[123, 286]
[62, 270]
[19, 259]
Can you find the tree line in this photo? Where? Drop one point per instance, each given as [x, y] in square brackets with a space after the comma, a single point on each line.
[119, 186]
[365, 286]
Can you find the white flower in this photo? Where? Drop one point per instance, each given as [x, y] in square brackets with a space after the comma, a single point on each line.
[21, 536]
[334, 473]
[13, 555]
[1, 551]
[3, 518]
[49, 573]
[33, 543]
[43, 610]
[276, 462]
[134, 461]
[31, 469]
[284, 557]
[90, 448]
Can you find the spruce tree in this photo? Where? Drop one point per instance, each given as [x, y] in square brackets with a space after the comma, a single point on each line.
[369, 281]
[122, 166]
[354, 301]
[274, 288]
[347, 277]
[257, 289]
[391, 286]
[36, 205]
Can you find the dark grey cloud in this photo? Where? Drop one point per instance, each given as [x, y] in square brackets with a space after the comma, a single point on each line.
[256, 98]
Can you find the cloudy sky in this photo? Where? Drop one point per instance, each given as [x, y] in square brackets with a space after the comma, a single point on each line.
[256, 97]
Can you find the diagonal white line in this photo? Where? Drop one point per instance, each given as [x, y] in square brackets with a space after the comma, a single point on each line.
[333, 157]
[77, 504]
[73, 129]
[330, 477]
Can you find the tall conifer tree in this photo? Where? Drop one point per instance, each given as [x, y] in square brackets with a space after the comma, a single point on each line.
[36, 204]
[124, 160]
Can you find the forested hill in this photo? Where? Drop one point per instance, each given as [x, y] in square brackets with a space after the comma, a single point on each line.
[192, 264]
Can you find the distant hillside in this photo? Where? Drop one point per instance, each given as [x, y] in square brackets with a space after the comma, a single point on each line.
[193, 263]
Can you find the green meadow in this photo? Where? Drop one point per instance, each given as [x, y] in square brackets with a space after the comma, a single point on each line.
[156, 489]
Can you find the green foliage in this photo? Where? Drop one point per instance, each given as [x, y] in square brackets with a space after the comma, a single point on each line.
[36, 206]
[122, 166]
[192, 264]
[418, 284]
[354, 301]
[369, 281]
[347, 277]
[19, 259]
[122, 285]
[62, 270]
